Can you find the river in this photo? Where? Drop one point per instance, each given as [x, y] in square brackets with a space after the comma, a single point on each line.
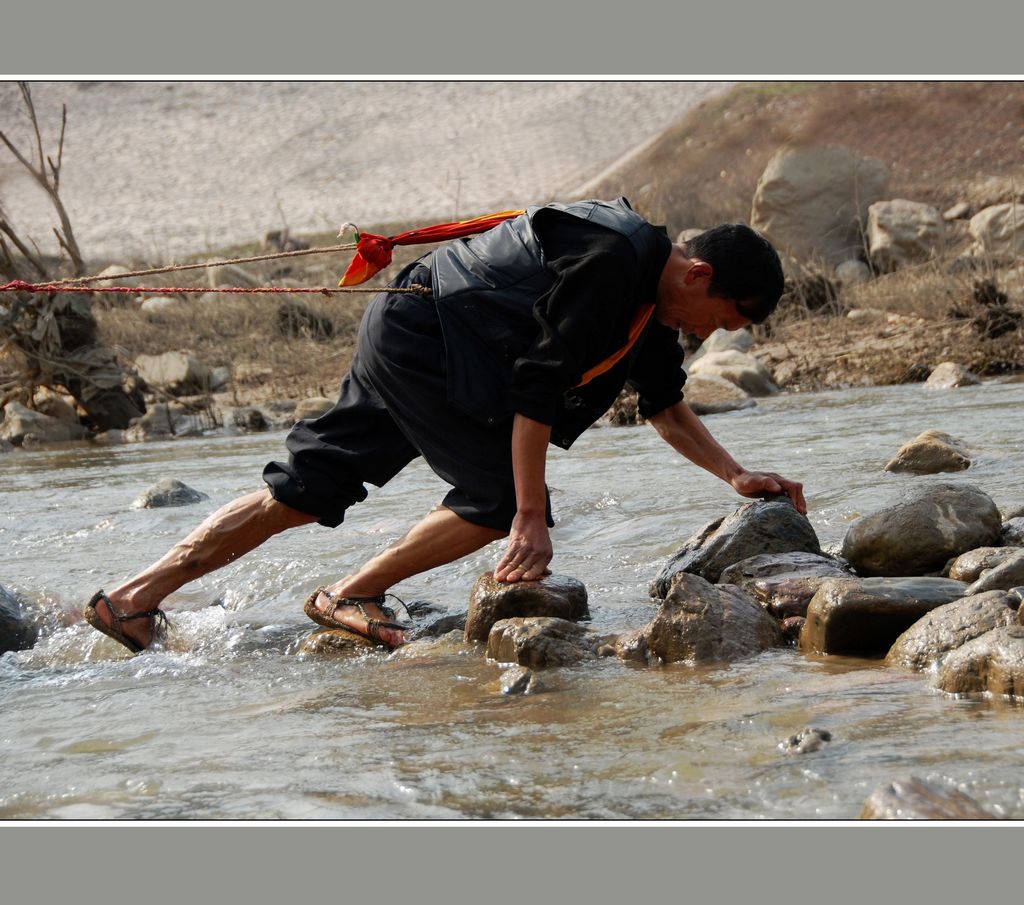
[229, 722]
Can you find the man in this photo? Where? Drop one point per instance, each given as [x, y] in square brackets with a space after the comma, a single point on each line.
[527, 334]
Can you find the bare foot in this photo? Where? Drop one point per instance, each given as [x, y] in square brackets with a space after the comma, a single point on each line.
[349, 615]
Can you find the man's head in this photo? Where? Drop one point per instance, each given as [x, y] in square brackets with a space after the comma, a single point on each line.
[745, 268]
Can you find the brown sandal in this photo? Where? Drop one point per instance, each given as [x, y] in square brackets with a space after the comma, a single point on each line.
[373, 626]
[114, 630]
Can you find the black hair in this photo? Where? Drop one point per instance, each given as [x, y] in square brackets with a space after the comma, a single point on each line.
[745, 268]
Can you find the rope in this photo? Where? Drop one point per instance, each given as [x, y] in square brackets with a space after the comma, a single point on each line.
[59, 286]
[173, 268]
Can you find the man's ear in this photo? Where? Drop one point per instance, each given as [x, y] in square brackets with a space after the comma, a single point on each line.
[699, 270]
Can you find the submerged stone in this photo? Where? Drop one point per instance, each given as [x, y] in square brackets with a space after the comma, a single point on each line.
[168, 492]
[753, 529]
[911, 798]
[863, 616]
[806, 741]
[931, 452]
[539, 641]
[18, 630]
[557, 596]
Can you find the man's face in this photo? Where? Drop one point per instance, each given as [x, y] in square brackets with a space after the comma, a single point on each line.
[690, 307]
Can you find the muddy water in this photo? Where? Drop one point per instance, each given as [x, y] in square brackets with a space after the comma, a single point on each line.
[229, 722]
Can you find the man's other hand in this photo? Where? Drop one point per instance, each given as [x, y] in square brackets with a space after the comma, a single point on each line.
[528, 552]
[758, 484]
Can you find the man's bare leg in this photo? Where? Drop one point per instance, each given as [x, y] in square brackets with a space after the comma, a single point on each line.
[233, 530]
[441, 537]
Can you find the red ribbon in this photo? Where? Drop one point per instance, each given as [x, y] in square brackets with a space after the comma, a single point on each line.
[373, 252]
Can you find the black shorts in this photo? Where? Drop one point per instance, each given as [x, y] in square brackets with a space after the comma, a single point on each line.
[393, 407]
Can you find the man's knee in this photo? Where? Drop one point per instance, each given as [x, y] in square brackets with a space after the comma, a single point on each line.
[280, 516]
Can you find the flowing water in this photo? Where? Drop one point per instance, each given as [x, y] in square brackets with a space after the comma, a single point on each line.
[229, 721]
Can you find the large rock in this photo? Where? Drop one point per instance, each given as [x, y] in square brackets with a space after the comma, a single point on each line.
[168, 492]
[558, 596]
[737, 367]
[20, 422]
[708, 394]
[923, 531]
[755, 528]
[949, 627]
[811, 202]
[969, 566]
[177, 372]
[783, 583]
[165, 419]
[914, 799]
[998, 230]
[18, 630]
[539, 641]
[864, 616]
[930, 452]
[722, 340]
[993, 662]
[1007, 574]
[902, 232]
[949, 375]
[698, 622]
[1012, 532]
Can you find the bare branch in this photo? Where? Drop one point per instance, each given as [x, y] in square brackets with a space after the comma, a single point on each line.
[26, 95]
[5, 228]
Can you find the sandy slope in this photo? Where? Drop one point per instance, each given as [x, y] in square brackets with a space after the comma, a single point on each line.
[163, 169]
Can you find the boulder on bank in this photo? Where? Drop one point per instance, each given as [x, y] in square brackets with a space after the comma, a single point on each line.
[249, 420]
[708, 394]
[930, 452]
[168, 492]
[918, 535]
[18, 631]
[902, 232]
[539, 642]
[20, 422]
[811, 202]
[165, 419]
[914, 799]
[998, 230]
[308, 409]
[739, 368]
[699, 622]
[755, 528]
[864, 616]
[180, 373]
[556, 596]
[950, 627]
[949, 375]
[783, 583]
[1005, 575]
[722, 340]
[993, 663]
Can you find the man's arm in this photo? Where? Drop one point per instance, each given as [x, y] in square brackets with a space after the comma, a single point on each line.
[686, 433]
[529, 545]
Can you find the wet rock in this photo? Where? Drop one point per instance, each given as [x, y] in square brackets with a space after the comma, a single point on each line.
[950, 375]
[20, 422]
[249, 419]
[698, 622]
[783, 583]
[708, 394]
[180, 373]
[792, 627]
[18, 628]
[911, 798]
[812, 202]
[864, 616]
[455, 622]
[1007, 574]
[754, 528]
[308, 409]
[520, 681]
[168, 492]
[335, 641]
[558, 596]
[969, 566]
[1012, 533]
[921, 533]
[165, 420]
[993, 662]
[930, 452]
[739, 368]
[539, 642]
[806, 741]
[950, 627]
[902, 233]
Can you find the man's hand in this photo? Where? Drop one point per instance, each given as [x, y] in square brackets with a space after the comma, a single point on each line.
[759, 484]
[528, 552]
